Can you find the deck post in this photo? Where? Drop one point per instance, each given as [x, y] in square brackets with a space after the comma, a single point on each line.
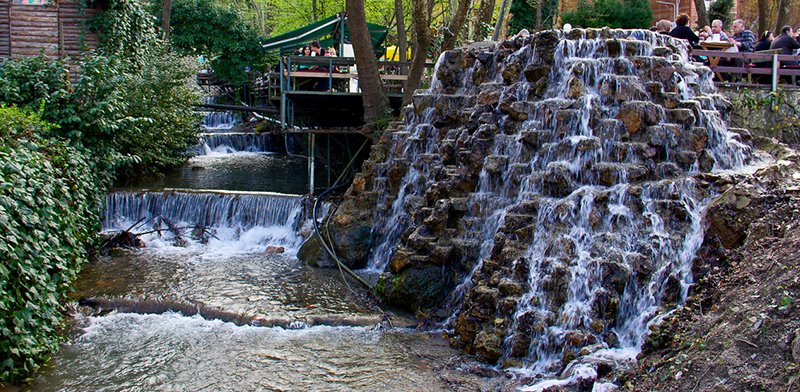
[775, 66]
[311, 164]
[283, 96]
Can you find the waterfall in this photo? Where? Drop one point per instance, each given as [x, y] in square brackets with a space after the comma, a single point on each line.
[558, 174]
[251, 220]
[220, 121]
[226, 143]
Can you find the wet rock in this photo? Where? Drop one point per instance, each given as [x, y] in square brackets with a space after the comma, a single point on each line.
[510, 287]
[557, 179]
[413, 289]
[488, 346]
[271, 249]
[511, 72]
[313, 254]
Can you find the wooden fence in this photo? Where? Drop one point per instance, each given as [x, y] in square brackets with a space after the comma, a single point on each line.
[768, 67]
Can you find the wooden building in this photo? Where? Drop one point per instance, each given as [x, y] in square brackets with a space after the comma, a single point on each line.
[52, 27]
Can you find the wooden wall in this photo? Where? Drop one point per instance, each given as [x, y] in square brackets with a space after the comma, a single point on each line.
[53, 29]
[5, 30]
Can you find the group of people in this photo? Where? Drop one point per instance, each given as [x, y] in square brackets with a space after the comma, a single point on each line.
[741, 39]
[312, 50]
[315, 50]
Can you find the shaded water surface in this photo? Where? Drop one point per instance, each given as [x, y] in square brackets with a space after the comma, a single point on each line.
[236, 172]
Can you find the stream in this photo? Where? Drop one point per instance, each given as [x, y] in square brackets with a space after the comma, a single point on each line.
[246, 201]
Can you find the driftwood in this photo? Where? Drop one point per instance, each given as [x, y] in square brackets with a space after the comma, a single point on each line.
[128, 239]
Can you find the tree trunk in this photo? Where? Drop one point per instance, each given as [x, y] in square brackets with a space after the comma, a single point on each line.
[763, 16]
[373, 97]
[420, 18]
[483, 18]
[167, 12]
[702, 13]
[402, 43]
[498, 28]
[539, 6]
[455, 26]
[784, 13]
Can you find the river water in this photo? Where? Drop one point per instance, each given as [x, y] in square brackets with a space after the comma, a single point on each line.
[224, 266]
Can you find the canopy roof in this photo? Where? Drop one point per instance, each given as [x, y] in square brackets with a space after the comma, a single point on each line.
[327, 31]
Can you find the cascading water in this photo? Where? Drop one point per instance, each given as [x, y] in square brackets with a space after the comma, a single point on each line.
[250, 221]
[220, 121]
[228, 143]
[561, 185]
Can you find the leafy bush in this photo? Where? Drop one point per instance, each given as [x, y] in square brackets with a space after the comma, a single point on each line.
[49, 200]
[626, 14]
[131, 107]
[218, 32]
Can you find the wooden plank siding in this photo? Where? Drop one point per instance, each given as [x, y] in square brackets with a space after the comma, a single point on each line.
[5, 29]
[54, 30]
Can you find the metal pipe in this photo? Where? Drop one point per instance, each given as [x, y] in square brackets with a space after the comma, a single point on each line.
[775, 66]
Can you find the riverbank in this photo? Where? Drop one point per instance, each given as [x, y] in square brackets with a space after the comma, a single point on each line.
[740, 330]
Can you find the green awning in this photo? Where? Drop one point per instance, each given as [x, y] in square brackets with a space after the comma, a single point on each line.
[327, 31]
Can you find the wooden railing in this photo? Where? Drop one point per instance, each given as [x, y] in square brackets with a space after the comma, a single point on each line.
[778, 68]
[299, 73]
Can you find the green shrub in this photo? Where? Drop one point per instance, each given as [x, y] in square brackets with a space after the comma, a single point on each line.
[49, 201]
[220, 33]
[132, 105]
[626, 14]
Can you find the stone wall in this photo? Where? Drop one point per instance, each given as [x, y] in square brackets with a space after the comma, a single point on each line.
[766, 114]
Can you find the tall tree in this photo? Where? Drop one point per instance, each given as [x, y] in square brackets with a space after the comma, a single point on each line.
[167, 12]
[422, 41]
[784, 14]
[373, 97]
[702, 13]
[763, 16]
[402, 43]
[455, 25]
[482, 19]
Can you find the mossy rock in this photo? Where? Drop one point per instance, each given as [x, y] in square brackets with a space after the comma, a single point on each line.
[414, 289]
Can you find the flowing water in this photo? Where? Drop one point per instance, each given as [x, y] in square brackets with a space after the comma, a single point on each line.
[615, 214]
[227, 240]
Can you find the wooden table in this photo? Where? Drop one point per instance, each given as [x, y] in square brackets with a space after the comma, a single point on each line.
[713, 61]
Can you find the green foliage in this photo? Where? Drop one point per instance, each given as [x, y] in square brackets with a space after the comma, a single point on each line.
[722, 10]
[127, 30]
[525, 14]
[218, 32]
[626, 14]
[130, 114]
[49, 200]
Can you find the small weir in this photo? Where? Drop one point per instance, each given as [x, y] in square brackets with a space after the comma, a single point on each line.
[227, 143]
[215, 299]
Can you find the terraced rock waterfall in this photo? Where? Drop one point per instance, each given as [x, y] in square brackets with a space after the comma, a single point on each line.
[546, 195]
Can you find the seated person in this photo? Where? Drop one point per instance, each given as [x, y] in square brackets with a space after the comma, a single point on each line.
[743, 38]
[787, 43]
[763, 44]
[717, 34]
[683, 31]
[663, 26]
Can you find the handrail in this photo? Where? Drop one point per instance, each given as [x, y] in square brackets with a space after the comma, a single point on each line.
[758, 63]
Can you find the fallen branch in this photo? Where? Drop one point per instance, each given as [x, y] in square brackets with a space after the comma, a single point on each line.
[751, 344]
